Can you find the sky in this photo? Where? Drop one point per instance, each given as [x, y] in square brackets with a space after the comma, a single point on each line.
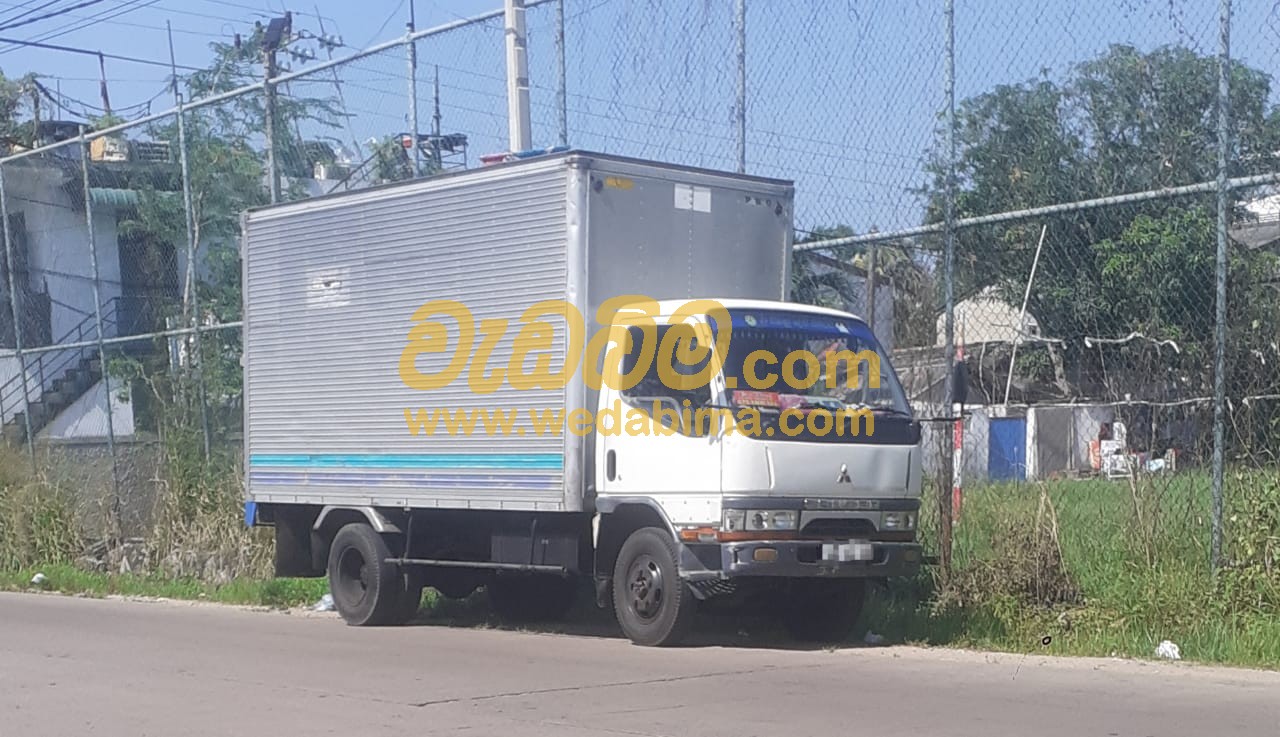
[843, 96]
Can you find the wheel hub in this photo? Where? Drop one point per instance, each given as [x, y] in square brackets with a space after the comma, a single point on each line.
[354, 576]
[646, 587]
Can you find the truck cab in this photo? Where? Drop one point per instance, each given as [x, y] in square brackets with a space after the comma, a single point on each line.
[780, 460]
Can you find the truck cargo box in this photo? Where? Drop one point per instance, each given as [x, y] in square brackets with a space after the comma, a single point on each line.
[331, 286]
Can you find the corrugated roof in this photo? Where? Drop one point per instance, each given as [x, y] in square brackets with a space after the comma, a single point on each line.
[117, 198]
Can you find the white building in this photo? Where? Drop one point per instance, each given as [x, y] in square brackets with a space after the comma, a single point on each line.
[55, 288]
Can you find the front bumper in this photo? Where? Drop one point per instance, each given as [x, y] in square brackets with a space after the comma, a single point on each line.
[795, 559]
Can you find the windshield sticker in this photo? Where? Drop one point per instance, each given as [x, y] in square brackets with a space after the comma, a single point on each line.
[747, 398]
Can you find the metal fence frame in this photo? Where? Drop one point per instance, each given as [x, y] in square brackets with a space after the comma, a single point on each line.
[947, 227]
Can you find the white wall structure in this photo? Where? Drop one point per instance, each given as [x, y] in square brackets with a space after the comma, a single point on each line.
[11, 386]
[48, 196]
[58, 244]
[86, 418]
[986, 318]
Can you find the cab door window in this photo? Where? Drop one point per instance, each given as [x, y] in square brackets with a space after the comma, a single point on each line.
[651, 389]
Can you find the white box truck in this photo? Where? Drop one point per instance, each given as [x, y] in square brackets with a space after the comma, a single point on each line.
[489, 379]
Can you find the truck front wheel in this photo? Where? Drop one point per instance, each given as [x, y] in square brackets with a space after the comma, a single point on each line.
[652, 605]
[823, 611]
[366, 589]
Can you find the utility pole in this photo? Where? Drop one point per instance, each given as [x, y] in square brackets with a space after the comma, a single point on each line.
[562, 93]
[276, 35]
[517, 77]
[35, 114]
[102, 84]
[269, 91]
[412, 49]
[435, 121]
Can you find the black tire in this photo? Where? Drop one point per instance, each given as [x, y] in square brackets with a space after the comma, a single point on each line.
[366, 590]
[652, 605]
[823, 611]
[531, 598]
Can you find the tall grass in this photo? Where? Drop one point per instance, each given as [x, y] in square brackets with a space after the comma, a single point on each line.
[198, 530]
[38, 519]
[1102, 567]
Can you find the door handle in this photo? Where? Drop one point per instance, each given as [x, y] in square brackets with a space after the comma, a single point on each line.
[611, 465]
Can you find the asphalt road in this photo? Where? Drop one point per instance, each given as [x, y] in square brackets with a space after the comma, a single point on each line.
[71, 666]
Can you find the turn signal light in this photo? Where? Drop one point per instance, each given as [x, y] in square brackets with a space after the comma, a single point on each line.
[764, 555]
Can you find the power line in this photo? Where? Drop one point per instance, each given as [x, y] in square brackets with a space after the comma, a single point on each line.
[383, 27]
[186, 31]
[265, 14]
[90, 52]
[25, 13]
[47, 16]
[196, 14]
[89, 110]
[101, 16]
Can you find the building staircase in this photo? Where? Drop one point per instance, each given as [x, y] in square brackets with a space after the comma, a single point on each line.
[56, 378]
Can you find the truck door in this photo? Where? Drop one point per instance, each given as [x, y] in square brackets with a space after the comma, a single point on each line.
[654, 442]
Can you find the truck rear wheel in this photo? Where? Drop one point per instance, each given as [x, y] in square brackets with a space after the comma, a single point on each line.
[531, 598]
[823, 611]
[367, 591]
[653, 606]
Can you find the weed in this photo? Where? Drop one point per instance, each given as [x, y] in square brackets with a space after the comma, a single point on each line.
[1024, 566]
[1251, 580]
[38, 521]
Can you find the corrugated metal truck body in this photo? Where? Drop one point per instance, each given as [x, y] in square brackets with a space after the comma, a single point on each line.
[331, 286]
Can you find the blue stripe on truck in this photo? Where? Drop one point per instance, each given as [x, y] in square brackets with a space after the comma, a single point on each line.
[550, 461]
[411, 479]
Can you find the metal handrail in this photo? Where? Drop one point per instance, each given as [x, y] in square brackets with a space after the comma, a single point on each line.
[54, 363]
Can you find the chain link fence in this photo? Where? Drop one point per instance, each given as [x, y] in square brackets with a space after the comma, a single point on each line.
[1043, 196]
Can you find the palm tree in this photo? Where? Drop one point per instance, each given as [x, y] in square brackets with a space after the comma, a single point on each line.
[914, 301]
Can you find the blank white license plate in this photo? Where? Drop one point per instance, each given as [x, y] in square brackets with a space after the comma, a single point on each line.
[845, 552]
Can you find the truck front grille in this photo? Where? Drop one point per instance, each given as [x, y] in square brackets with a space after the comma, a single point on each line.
[838, 529]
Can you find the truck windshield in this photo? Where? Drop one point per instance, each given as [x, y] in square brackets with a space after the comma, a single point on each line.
[779, 360]
[804, 360]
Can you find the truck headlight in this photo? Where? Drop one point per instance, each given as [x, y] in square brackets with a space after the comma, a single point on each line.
[758, 523]
[771, 519]
[735, 520]
[898, 521]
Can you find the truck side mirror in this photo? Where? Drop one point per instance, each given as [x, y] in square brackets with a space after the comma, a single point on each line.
[960, 383]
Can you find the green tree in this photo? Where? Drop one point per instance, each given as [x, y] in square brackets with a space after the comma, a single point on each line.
[15, 122]
[1123, 122]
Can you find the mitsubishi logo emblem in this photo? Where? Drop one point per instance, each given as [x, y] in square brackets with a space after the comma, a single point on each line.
[843, 477]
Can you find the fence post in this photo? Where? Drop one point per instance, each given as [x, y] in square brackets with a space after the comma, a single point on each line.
[1220, 316]
[562, 92]
[17, 324]
[740, 106]
[97, 319]
[190, 298]
[948, 278]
